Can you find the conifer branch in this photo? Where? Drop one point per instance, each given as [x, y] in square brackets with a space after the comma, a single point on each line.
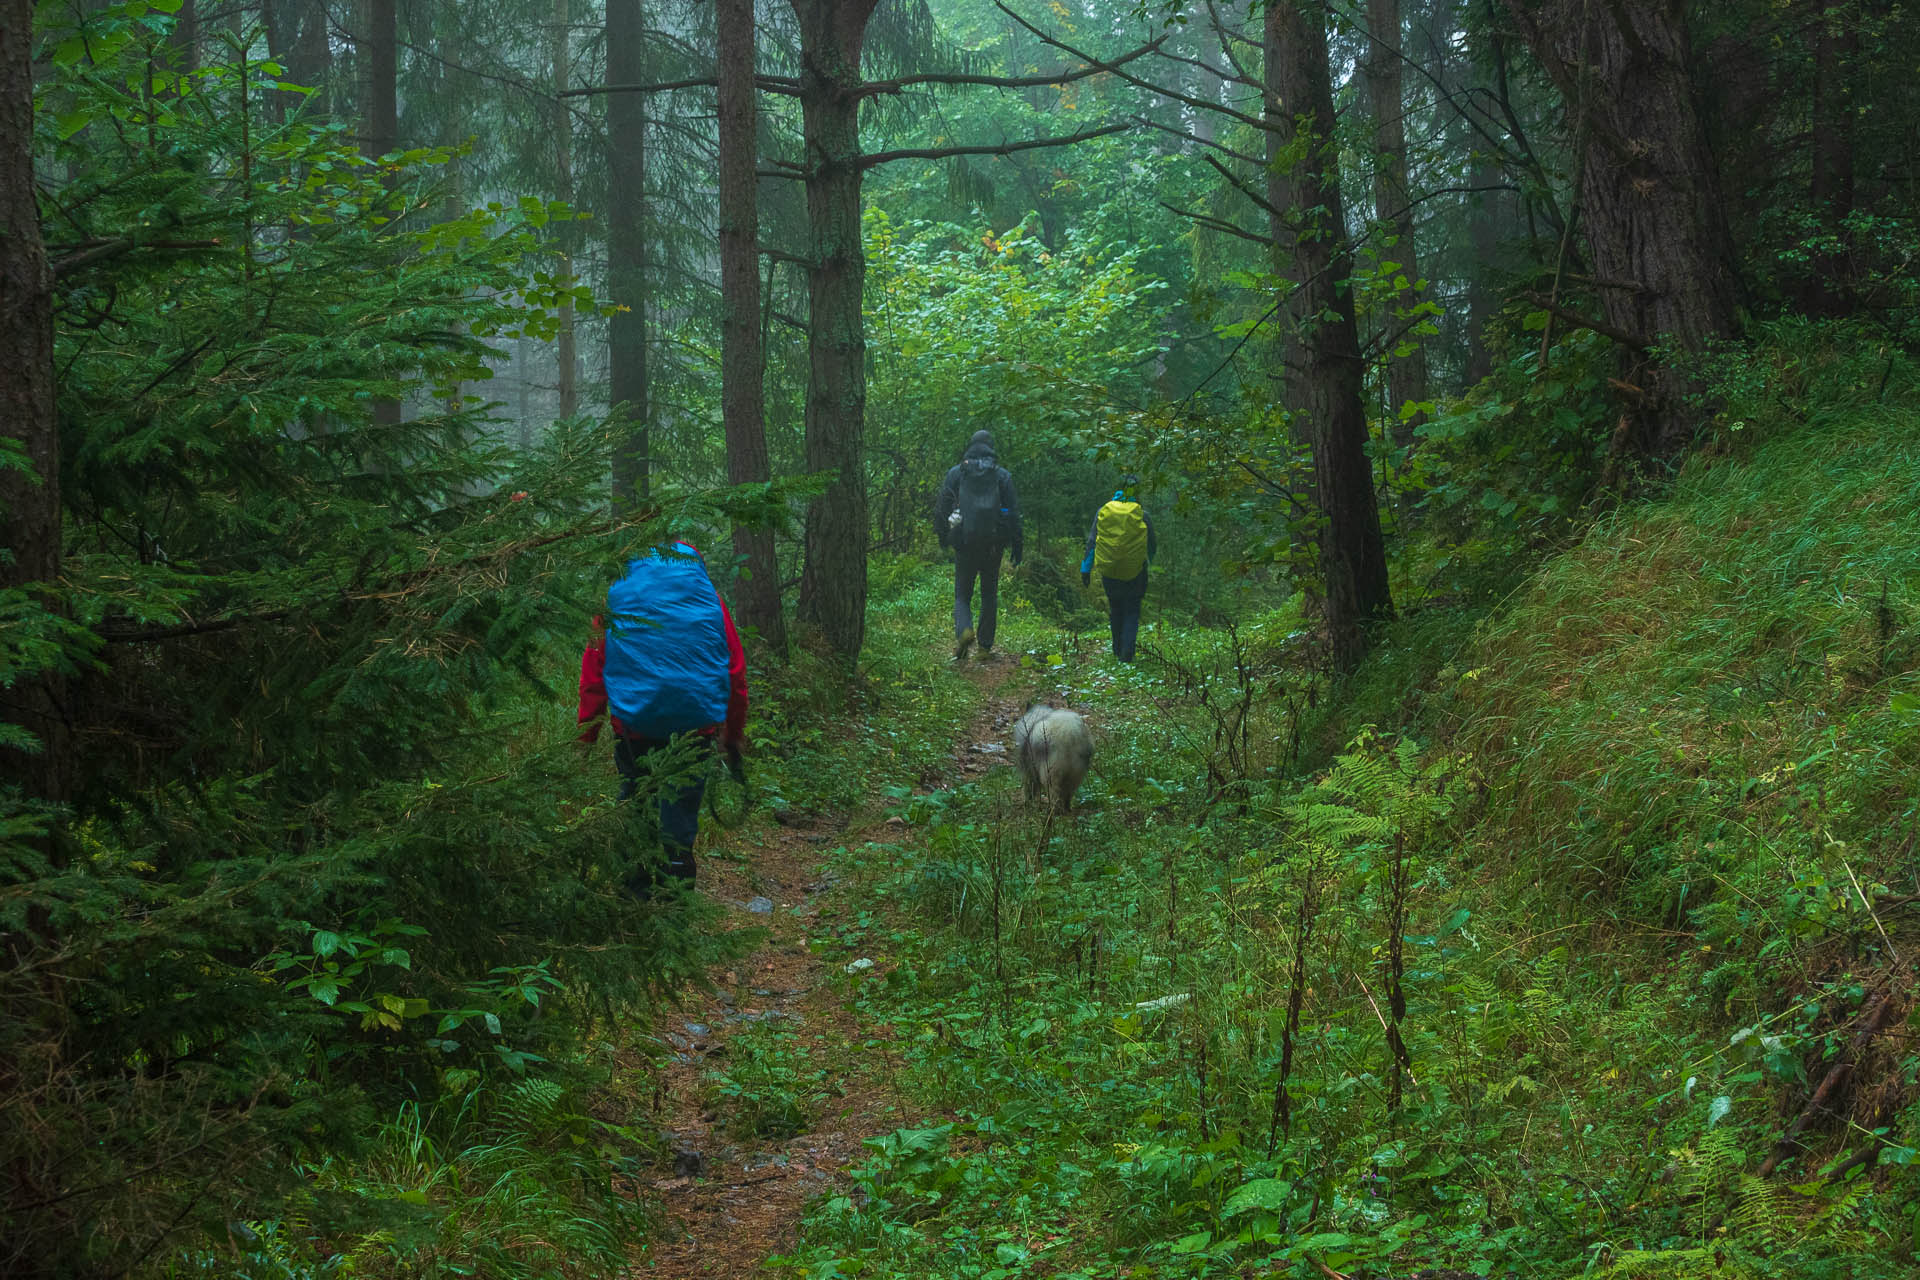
[871, 159]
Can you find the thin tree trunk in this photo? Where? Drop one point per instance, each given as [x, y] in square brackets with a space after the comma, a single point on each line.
[627, 253]
[566, 357]
[833, 581]
[1353, 558]
[29, 500]
[1406, 374]
[1649, 204]
[380, 114]
[742, 398]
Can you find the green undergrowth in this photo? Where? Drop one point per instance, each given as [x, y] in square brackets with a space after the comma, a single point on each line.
[512, 1150]
[1621, 870]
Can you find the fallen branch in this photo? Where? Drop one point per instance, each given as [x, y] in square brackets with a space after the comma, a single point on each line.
[1876, 1019]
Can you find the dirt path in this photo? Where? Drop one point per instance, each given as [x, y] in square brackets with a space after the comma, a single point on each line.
[732, 1202]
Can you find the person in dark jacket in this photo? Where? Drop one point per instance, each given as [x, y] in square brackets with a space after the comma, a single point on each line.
[640, 755]
[1121, 545]
[978, 515]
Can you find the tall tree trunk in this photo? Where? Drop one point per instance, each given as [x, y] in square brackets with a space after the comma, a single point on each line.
[380, 113]
[1406, 375]
[742, 399]
[380, 78]
[29, 500]
[1491, 214]
[1289, 318]
[1836, 44]
[310, 59]
[1278, 113]
[627, 252]
[185, 39]
[1352, 555]
[833, 583]
[1648, 200]
[1483, 234]
[566, 357]
[1209, 81]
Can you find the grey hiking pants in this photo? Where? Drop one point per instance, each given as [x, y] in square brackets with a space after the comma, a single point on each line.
[969, 563]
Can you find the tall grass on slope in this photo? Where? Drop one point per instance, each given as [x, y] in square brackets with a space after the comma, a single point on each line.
[1694, 717]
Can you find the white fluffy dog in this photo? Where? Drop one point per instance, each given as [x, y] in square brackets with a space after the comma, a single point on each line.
[1054, 750]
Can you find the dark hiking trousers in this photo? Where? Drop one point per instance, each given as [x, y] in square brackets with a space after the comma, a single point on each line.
[1123, 611]
[982, 563]
[675, 814]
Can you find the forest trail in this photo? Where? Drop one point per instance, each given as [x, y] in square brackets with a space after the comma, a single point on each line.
[733, 1201]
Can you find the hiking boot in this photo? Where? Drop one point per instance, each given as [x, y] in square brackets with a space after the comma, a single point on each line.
[986, 651]
[963, 643]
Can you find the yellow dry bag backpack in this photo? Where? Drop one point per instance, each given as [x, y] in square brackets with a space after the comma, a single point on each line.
[1120, 541]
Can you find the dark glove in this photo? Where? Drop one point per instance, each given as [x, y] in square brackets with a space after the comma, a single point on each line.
[1016, 559]
[736, 767]
[1086, 579]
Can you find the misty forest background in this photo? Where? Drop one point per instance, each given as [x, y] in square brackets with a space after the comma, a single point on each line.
[1502, 858]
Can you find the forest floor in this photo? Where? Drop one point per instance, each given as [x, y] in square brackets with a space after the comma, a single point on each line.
[735, 1200]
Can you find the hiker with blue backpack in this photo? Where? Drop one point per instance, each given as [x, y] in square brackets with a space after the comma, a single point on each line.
[1120, 546]
[978, 515]
[666, 669]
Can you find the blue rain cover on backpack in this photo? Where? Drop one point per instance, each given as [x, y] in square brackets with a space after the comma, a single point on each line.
[667, 654]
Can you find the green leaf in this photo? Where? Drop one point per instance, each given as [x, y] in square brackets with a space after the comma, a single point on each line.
[325, 943]
[1261, 1193]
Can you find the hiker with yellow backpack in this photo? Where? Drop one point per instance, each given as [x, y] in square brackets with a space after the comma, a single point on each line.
[1120, 546]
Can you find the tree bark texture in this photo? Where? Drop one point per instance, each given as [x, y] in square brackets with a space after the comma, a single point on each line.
[565, 356]
[742, 398]
[1649, 202]
[29, 500]
[1406, 375]
[627, 252]
[1352, 556]
[833, 582]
